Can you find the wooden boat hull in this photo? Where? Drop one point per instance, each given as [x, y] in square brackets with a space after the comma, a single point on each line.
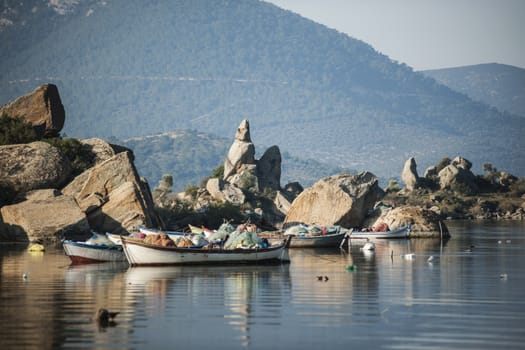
[402, 232]
[139, 253]
[322, 241]
[83, 253]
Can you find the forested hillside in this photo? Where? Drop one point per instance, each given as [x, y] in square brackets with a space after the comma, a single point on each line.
[129, 68]
[497, 85]
[190, 157]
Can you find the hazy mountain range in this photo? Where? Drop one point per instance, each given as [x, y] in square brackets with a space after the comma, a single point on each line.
[498, 85]
[129, 69]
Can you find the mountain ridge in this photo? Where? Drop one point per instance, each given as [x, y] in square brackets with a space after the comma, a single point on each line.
[498, 85]
[206, 65]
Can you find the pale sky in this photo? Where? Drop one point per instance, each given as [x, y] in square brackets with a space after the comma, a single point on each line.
[427, 34]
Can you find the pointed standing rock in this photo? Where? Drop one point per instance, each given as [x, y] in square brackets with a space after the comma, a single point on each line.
[241, 152]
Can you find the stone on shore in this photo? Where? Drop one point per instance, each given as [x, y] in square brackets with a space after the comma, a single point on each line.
[31, 166]
[100, 186]
[425, 223]
[343, 199]
[45, 217]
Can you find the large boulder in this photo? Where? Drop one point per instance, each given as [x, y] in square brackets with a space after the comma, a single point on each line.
[93, 189]
[214, 186]
[457, 177]
[409, 174]
[45, 216]
[242, 151]
[246, 178]
[41, 108]
[101, 150]
[36, 165]
[424, 222]
[282, 203]
[225, 192]
[123, 211]
[269, 169]
[460, 162]
[343, 199]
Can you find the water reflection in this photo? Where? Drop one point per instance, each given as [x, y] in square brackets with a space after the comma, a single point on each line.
[458, 300]
[235, 294]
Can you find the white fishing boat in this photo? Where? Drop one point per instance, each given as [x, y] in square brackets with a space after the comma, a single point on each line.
[329, 237]
[85, 253]
[402, 232]
[174, 235]
[140, 253]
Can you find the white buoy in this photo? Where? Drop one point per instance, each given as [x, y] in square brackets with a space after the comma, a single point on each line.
[369, 246]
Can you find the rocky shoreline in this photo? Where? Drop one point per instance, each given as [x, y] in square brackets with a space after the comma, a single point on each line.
[54, 188]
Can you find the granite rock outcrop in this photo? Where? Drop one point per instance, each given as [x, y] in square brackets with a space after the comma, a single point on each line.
[41, 108]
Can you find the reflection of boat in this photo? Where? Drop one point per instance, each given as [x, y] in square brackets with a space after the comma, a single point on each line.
[401, 232]
[140, 253]
[310, 241]
[84, 253]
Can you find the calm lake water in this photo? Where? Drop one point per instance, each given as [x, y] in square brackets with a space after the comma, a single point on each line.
[466, 298]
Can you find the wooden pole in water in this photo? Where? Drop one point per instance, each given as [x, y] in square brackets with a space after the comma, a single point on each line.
[440, 238]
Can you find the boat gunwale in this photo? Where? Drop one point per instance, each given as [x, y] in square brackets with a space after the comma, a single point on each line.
[92, 246]
[197, 250]
[298, 237]
[381, 234]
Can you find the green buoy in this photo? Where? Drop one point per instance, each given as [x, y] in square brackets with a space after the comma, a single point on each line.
[351, 267]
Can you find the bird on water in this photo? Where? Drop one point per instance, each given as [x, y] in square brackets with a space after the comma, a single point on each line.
[105, 318]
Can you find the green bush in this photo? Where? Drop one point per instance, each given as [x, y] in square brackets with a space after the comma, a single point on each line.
[517, 189]
[13, 130]
[218, 213]
[218, 172]
[191, 190]
[444, 162]
[393, 186]
[166, 183]
[80, 155]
